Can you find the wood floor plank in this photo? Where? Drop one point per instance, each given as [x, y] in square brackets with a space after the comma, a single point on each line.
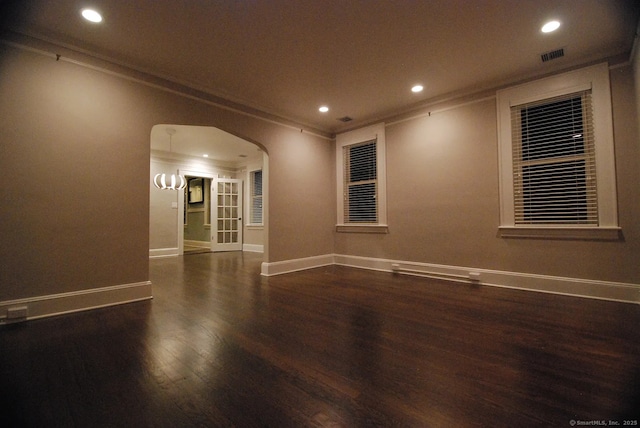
[220, 346]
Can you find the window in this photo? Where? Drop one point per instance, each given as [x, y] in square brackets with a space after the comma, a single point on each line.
[360, 183]
[255, 204]
[361, 180]
[556, 157]
[554, 161]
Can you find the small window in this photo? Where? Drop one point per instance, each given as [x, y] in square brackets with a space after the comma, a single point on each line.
[255, 210]
[360, 186]
[361, 180]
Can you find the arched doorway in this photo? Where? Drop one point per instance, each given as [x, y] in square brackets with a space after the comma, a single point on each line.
[188, 219]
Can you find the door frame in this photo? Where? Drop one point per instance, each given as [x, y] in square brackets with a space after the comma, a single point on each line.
[181, 202]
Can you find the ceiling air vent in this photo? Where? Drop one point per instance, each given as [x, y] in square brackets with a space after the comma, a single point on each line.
[345, 119]
[548, 56]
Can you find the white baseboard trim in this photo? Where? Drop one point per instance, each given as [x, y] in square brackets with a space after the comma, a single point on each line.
[57, 304]
[603, 290]
[594, 289]
[163, 252]
[287, 266]
[253, 248]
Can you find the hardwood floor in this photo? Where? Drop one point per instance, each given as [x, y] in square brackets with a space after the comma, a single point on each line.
[192, 249]
[330, 347]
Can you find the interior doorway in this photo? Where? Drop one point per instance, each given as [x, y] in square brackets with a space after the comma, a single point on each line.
[192, 220]
[197, 215]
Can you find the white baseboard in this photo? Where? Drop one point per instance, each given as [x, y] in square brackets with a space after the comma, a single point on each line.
[287, 266]
[253, 248]
[163, 252]
[594, 289]
[75, 301]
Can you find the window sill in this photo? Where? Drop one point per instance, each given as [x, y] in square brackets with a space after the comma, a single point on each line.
[369, 228]
[255, 226]
[570, 233]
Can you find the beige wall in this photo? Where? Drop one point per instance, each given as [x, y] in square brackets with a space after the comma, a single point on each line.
[163, 218]
[75, 154]
[302, 200]
[253, 235]
[443, 200]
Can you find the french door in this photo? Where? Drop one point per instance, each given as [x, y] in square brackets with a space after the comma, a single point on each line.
[226, 214]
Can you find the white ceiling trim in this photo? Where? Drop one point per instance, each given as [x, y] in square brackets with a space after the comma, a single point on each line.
[130, 78]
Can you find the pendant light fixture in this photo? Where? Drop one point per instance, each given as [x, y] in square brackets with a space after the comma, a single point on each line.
[173, 182]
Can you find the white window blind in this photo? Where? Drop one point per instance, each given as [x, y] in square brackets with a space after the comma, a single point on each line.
[360, 183]
[256, 197]
[554, 161]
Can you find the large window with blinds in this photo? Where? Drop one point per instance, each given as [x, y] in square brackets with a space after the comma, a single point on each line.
[554, 161]
[557, 169]
[361, 180]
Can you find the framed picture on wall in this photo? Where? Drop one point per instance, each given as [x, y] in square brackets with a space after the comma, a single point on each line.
[196, 194]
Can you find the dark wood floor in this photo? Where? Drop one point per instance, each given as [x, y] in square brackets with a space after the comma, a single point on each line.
[329, 347]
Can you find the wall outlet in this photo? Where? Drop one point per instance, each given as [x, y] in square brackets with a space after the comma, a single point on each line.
[17, 312]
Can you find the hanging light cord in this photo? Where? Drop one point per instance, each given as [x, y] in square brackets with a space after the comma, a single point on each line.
[175, 182]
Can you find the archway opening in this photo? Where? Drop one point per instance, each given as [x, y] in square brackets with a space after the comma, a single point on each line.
[200, 216]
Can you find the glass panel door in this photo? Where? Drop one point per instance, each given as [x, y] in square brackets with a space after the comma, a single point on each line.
[226, 218]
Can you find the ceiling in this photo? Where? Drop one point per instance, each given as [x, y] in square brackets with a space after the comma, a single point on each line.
[197, 141]
[358, 57]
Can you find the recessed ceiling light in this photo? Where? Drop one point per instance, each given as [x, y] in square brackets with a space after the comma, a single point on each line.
[550, 26]
[417, 88]
[91, 15]
[205, 155]
[323, 109]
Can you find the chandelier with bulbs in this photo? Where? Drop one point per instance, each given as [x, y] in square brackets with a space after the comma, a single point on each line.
[173, 181]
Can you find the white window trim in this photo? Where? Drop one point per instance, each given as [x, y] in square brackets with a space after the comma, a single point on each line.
[249, 200]
[373, 132]
[597, 78]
